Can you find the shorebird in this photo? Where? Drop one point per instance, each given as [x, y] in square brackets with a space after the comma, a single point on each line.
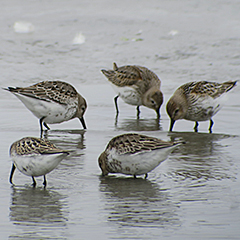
[198, 101]
[136, 85]
[52, 102]
[35, 157]
[134, 154]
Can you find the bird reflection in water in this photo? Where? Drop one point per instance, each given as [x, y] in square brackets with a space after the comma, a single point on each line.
[129, 124]
[203, 157]
[138, 202]
[73, 141]
[67, 139]
[37, 210]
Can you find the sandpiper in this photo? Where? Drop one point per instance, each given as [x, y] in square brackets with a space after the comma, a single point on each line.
[136, 85]
[35, 157]
[134, 154]
[198, 101]
[52, 102]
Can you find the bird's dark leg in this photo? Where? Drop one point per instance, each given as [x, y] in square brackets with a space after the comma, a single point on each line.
[196, 127]
[44, 181]
[46, 126]
[12, 172]
[116, 105]
[138, 111]
[116, 120]
[134, 176]
[210, 126]
[34, 182]
[41, 123]
[146, 175]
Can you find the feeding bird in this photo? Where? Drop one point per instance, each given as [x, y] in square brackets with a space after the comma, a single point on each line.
[198, 101]
[136, 85]
[35, 157]
[52, 102]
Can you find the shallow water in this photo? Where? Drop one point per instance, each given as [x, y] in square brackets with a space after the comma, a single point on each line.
[194, 194]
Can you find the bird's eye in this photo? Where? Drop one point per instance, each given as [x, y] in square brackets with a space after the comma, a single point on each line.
[83, 109]
[176, 111]
[152, 101]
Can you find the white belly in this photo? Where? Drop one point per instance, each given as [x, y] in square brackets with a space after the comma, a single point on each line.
[205, 108]
[53, 112]
[138, 163]
[38, 165]
[129, 95]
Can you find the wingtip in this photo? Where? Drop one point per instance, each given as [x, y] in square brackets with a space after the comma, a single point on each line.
[10, 89]
[7, 89]
[115, 67]
[179, 142]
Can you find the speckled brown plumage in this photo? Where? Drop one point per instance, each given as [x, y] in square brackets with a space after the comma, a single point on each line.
[136, 85]
[57, 91]
[134, 154]
[212, 89]
[52, 102]
[31, 145]
[197, 101]
[133, 143]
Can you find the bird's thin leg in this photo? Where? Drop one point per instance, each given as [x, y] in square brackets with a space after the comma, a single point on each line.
[134, 176]
[41, 123]
[116, 120]
[196, 127]
[12, 172]
[138, 111]
[210, 126]
[146, 175]
[46, 126]
[34, 182]
[44, 181]
[116, 105]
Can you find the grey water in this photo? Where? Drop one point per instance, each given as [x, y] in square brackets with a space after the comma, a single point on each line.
[195, 193]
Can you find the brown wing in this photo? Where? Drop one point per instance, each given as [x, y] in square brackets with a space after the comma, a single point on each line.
[212, 89]
[150, 77]
[123, 76]
[133, 143]
[48, 91]
[30, 145]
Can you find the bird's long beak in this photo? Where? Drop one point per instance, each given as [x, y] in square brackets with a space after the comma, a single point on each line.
[158, 113]
[12, 172]
[171, 124]
[83, 122]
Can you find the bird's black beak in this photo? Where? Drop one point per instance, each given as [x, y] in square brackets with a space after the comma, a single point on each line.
[158, 113]
[171, 124]
[83, 122]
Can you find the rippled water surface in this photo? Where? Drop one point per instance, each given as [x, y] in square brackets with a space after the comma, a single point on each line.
[194, 194]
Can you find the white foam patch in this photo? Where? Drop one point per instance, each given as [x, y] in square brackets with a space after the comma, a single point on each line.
[23, 27]
[173, 32]
[79, 39]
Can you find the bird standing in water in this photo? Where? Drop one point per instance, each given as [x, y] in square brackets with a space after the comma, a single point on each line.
[136, 85]
[198, 101]
[52, 102]
[134, 154]
[35, 157]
